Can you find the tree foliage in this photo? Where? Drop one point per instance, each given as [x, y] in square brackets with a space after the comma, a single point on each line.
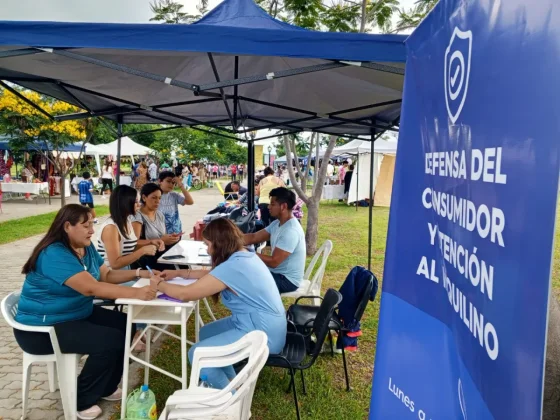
[169, 11]
[411, 18]
[192, 145]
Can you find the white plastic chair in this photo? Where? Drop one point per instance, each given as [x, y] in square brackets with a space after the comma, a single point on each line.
[66, 364]
[197, 402]
[311, 286]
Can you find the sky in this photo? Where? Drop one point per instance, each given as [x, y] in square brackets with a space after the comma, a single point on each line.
[121, 11]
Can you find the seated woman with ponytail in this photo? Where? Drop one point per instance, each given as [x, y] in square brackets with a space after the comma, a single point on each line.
[247, 289]
[62, 276]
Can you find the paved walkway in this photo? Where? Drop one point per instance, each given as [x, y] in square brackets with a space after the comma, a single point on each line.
[44, 405]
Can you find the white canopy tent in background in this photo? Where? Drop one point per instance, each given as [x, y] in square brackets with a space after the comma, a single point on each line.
[360, 150]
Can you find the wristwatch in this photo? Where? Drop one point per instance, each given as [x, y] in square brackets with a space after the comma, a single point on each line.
[138, 273]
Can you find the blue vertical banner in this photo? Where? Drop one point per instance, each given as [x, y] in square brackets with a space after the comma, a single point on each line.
[463, 320]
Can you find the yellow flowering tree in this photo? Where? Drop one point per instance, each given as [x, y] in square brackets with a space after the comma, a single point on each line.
[31, 129]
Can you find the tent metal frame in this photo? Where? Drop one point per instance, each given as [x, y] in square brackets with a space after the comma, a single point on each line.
[236, 118]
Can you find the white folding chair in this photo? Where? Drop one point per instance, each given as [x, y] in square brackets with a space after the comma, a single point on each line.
[65, 364]
[232, 402]
[311, 286]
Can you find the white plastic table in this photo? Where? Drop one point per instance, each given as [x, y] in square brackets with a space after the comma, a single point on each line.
[156, 312]
[192, 253]
[35, 188]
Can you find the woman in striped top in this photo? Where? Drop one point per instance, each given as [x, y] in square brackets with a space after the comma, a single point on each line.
[118, 244]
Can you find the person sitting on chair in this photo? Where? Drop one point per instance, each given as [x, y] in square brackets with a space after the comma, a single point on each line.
[62, 275]
[234, 190]
[247, 290]
[286, 236]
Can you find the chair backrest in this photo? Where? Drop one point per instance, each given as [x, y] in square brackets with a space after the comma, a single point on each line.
[315, 281]
[253, 346]
[321, 322]
[9, 307]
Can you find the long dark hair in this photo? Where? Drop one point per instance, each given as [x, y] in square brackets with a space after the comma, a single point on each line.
[121, 206]
[71, 213]
[226, 239]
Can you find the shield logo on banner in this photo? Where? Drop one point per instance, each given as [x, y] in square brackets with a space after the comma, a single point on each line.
[457, 69]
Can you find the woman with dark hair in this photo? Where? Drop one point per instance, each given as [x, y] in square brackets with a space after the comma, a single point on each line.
[247, 290]
[118, 245]
[149, 225]
[62, 276]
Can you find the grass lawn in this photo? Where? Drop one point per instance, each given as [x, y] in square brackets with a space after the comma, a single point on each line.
[14, 230]
[326, 396]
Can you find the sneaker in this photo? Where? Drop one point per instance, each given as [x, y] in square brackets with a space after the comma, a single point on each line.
[115, 396]
[90, 414]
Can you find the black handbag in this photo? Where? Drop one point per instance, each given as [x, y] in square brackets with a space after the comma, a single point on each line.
[244, 219]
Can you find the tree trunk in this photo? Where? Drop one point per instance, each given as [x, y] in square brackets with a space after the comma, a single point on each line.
[312, 231]
[363, 17]
[551, 395]
[62, 191]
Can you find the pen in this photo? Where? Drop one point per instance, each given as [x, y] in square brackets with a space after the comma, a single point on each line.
[150, 270]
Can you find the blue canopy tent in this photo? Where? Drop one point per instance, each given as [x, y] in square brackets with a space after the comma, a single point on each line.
[236, 69]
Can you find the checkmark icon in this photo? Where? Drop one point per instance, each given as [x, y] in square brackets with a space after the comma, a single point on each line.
[455, 76]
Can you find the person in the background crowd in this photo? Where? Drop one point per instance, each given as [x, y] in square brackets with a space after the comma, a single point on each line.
[85, 188]
[246, 288]
[170, 201]
[244, 199]
[297, 211]
[233, 190]
[330, 170]
[233, 172]
[203, 174]
[342, 172]
[28, 172]
[152, 171]
[149, 225]
[115, 168]
[165, 168]
[348, 179]
[107, 177]
[215, 171]
[286, 236]
[189, 176]
[266, 185]
[62, 276]
[240, 170]
[142, 177]
[179, 169]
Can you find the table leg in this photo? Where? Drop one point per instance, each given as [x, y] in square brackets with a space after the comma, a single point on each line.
[127, 349]
[147, 354]
[184, 347]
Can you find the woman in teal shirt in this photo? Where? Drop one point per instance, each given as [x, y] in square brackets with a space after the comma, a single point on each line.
[63, 274]
[247, 289]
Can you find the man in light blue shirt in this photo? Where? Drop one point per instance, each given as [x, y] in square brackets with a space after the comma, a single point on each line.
[287, 262]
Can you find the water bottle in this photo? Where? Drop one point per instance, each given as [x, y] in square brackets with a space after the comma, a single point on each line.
[204, 382]
[142, 405]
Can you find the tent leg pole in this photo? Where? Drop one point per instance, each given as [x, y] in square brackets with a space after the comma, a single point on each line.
[119, 132]
[251, 174]
[371, 172]
[357, 175]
